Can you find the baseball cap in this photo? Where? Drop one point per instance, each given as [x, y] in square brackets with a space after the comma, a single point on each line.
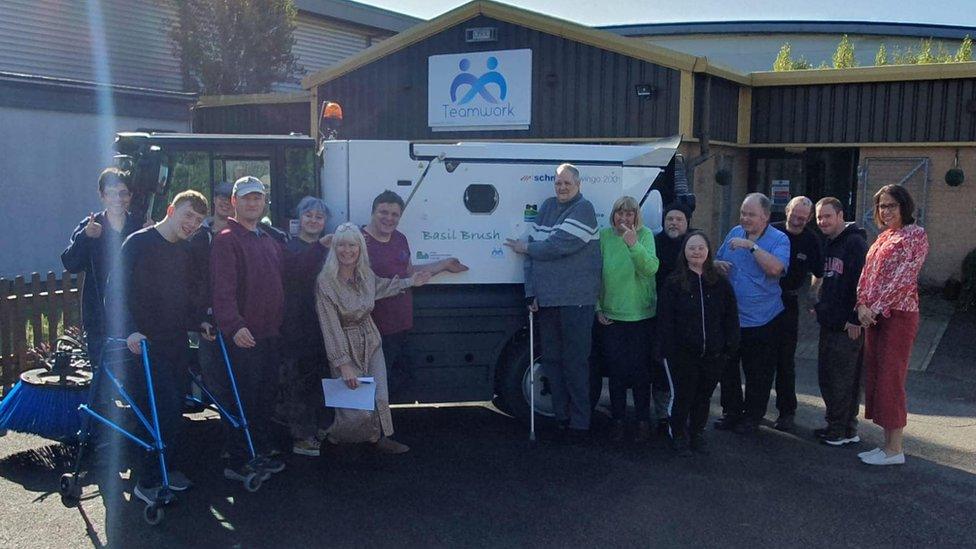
[224, 188]
[247, 185]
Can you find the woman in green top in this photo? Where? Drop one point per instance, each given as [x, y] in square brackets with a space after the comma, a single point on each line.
[625, 314]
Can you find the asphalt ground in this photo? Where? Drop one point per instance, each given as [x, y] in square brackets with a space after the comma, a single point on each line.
[472, 479]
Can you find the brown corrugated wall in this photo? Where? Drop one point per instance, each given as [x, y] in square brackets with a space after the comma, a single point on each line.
[578, 91]
[875, 112]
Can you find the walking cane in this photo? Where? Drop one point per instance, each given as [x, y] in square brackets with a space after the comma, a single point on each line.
[531, 376]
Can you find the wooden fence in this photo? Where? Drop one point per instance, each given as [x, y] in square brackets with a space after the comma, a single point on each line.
[33, 312]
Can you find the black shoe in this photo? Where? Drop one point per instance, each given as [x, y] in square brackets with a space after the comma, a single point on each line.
[617, 431]
[727, 422]
[268, 464]
[841, 440]
[746, 427]
[784, 423]
[821, 433]
[698, 443]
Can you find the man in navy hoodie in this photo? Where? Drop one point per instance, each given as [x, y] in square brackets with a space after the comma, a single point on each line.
[841, 336]
[94, 250]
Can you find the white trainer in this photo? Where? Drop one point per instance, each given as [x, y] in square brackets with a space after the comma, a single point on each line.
[863, 455]
[881, 458]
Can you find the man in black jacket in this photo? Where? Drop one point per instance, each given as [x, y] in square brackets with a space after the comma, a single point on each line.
[839, 356]
[806, 258]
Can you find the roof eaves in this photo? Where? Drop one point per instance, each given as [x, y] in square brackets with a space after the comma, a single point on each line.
[544, 23]
[360, 14]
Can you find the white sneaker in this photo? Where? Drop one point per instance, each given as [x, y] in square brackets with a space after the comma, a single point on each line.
[881, 458]
[306, 447]
[863, 455]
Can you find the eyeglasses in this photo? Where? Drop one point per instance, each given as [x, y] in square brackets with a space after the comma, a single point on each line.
[117, 194]
[346, 227]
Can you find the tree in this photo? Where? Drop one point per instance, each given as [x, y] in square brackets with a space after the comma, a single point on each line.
[235, 46]
[965, 51]
[844, 56]
[785, 61]
[881, 58]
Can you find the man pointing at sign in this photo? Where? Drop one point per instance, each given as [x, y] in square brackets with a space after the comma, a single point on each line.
[389, 256]
[562, 282]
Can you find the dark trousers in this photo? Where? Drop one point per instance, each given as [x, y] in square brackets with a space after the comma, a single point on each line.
[839, 374]
[695, 379]
[167, 364]
[399, 367]
[566, 340]
[256, 372]
[757, 355]
[625, 352]
[301, 402]
[786, 357]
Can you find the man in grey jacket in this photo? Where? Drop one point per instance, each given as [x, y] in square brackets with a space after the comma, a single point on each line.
[562, 282]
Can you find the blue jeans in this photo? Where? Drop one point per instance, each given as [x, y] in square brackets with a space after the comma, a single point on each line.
[566, 339]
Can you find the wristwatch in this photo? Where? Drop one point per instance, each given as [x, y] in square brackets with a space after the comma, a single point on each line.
[754, 247]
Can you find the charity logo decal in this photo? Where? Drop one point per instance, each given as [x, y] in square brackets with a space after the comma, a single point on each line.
[478, 85]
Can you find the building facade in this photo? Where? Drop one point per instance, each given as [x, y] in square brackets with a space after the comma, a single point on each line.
[842, 133]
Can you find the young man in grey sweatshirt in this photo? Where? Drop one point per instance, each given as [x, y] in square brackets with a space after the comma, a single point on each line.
[562, 283]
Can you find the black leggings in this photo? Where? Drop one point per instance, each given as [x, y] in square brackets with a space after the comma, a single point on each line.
[695, 379]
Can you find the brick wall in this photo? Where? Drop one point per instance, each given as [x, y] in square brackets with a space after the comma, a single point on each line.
[950, 219]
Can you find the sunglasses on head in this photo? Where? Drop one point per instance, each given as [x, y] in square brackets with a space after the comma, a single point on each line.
[345, 227]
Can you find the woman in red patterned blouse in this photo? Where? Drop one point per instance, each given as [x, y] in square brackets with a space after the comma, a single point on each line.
[887, 306]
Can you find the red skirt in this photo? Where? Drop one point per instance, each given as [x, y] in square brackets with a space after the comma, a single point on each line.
[887, 348]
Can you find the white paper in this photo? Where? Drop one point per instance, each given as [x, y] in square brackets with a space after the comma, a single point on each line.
[339, 395]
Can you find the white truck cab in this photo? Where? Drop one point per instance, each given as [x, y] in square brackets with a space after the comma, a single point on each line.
[470, 339]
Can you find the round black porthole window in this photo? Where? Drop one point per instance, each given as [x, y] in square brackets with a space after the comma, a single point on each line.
[480, 198]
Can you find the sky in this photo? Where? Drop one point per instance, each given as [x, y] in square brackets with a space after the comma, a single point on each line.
[611, 12]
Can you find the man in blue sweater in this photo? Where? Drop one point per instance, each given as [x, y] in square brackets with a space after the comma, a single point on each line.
[562, 283]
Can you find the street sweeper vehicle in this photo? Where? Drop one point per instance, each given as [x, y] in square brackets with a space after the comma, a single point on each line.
[470, 340]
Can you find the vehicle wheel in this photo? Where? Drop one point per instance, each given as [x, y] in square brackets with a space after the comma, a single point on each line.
[514, 384]
[253, 482]
[153, 514]
[69, 487]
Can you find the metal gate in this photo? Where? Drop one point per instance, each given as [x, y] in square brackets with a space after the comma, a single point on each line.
[911, 173]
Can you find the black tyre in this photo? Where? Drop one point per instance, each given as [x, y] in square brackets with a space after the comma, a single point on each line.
[153, 514]
[69, 487]
[253, 482]
[513, 383]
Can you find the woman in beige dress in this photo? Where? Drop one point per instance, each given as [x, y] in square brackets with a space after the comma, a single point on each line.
[346, 290]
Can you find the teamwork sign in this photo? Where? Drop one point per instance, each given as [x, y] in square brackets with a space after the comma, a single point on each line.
[480, 91]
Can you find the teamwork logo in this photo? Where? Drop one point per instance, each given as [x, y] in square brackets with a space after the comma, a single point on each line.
[478, 85]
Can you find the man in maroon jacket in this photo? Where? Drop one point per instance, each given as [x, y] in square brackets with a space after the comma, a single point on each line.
[248, 304]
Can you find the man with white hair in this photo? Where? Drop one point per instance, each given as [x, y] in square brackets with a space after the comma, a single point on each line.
[805, 259]
[563, 275]
[754, 256]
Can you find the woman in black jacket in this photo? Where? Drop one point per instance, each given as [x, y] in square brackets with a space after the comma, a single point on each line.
[698, 327]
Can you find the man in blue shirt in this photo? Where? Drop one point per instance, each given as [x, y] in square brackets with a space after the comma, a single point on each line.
[754, 256]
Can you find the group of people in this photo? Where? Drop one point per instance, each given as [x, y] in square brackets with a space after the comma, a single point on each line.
[667, 317]
[675, 316]
[283, 309]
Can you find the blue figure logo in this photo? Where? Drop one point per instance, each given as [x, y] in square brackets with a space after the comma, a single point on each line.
[477, 85]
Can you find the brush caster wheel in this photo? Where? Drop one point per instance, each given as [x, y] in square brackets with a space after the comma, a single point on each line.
[69, 487]
[253, 482]
[153, 514]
